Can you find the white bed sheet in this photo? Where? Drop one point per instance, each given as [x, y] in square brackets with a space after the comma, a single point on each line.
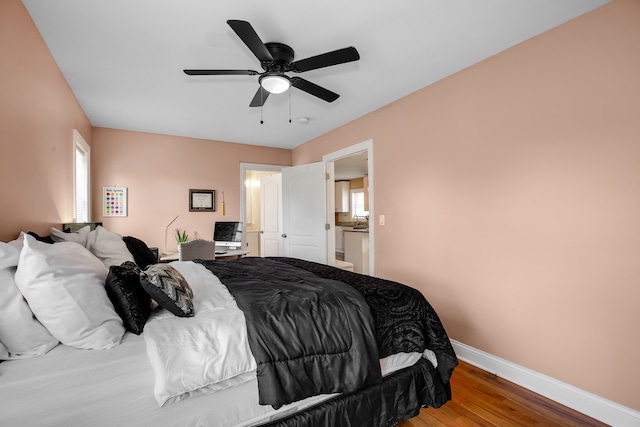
[71, 387]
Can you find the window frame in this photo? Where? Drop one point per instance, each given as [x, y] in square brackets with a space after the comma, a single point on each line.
[352, 212]
[80, 146]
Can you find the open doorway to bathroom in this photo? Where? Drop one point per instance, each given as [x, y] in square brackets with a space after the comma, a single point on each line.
[250, 202]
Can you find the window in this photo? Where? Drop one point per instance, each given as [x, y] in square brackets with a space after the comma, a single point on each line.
[357, 204]
[81, 192]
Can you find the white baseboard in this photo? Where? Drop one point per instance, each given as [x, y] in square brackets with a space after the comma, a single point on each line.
[582, 401]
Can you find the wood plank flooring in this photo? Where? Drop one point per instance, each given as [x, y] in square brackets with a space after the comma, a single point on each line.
[483, 399]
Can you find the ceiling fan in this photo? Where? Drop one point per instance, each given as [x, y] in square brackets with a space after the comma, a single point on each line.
[276, 59]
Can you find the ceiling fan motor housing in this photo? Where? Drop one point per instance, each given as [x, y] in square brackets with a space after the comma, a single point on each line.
[282, 56]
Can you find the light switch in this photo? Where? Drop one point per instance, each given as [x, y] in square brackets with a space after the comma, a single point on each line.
[381, 219]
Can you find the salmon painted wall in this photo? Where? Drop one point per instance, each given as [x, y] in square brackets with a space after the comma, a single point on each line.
[38, 113]
[159, 170]
[518, 182]
[523, 209]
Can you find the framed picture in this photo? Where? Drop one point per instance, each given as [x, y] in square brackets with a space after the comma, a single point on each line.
[202, 200]
[114, 201]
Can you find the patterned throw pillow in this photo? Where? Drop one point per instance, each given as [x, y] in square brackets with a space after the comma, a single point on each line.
[168, 288]
[130, 300]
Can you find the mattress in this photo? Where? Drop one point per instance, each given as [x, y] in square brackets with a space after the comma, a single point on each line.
[71, 387]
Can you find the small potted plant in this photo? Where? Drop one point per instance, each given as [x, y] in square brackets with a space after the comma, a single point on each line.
[181, 236]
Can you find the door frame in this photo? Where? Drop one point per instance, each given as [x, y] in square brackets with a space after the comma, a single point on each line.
[244, 168]
[329, 160]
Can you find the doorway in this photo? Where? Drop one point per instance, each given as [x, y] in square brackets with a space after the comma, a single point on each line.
[299, 211]
[354, 162]
[250, 174]
[329, 160]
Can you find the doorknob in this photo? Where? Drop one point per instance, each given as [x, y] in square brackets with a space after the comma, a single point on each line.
[261, 231]
[284, 235]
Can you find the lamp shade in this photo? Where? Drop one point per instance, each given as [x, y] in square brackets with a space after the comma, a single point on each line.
[275, 83]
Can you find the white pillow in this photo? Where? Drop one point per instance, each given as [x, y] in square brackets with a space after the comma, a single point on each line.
[19, 242]
[9, 255]
[108, 246]
[79, 236]
[64, 286]
[22, 335]
[4, 354]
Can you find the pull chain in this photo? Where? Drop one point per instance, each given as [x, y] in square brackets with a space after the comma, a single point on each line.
[261, 104]
[289, 105]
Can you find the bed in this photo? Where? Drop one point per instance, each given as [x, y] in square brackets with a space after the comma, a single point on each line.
[246, 342]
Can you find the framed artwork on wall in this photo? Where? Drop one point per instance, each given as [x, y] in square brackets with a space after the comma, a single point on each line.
[114, 201]
[202, 200]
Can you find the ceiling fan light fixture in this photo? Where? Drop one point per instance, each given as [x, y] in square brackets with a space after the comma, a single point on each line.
[275, 83]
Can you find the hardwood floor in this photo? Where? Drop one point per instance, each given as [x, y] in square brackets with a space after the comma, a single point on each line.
[483, 399]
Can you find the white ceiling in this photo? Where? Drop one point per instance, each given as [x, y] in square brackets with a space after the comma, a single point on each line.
[123, 59]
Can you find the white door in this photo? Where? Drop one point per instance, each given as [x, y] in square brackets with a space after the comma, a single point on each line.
[303, 212]
[271, 215]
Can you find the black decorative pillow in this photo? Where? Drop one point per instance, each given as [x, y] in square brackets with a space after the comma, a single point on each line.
[44, 239]
[142, 255]
[130, 300]
[168, 288]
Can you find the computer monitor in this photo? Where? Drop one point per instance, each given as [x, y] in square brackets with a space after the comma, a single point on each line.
[228, 234]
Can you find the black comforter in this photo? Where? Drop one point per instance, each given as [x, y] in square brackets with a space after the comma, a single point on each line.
[404, 320]
[401, 318]
[309, 335]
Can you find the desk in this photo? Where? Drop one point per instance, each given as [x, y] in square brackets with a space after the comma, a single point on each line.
[237, 253]
[168, 257]
[232, 254]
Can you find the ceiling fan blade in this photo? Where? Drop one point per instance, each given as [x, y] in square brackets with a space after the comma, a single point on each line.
[314, 89]
[259, 98]
[221, 72]
[248, 35]
[340, 56]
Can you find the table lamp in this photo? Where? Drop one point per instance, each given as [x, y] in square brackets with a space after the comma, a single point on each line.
[164, 252]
